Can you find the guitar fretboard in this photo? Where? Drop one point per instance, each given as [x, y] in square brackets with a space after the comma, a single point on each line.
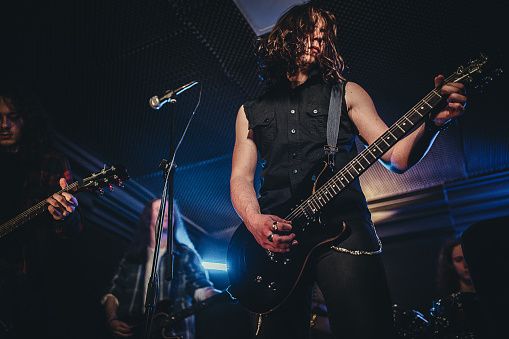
[369, 156]
[366, 158]
[106, 177]
[30, 213]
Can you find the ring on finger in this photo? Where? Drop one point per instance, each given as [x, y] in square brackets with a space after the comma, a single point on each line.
[271, 237]
[274, 225]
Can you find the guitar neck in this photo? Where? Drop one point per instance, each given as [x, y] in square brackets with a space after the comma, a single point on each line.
[104, 178]
[30, 213]
[368, 156]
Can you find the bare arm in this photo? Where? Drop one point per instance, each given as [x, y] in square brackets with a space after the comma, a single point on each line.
[244, 199]
[244, 162]
[410, 150]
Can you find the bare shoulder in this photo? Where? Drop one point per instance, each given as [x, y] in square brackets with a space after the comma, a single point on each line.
[241, 122]
[242, 131]
[355, 95]
[363, 113]
[358, 100]
[241, 111]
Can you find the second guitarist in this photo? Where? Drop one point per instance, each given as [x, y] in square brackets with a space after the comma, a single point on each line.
[124, 302]
[287, 127]
[32, 257]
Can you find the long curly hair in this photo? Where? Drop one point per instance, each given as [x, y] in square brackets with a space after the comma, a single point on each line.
[37, 133]
[279, 53]
[137, 251]
[447, 277]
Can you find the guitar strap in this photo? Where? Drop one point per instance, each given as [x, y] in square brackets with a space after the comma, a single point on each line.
[333, 121]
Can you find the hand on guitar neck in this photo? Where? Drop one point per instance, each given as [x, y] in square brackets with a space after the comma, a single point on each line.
[62, 204]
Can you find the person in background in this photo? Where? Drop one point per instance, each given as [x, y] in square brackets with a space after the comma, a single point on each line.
[453, 275]
[457, 313]
[126, 295]
[31, 171]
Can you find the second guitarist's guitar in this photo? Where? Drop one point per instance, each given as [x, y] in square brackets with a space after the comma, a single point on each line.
[97, 181]
[164, 321]
[262, 280]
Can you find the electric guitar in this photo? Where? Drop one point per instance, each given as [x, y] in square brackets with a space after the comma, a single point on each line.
[261, 279]
[97, 181]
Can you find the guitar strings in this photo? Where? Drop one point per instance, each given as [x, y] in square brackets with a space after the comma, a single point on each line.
[314, 201]
[37, 209]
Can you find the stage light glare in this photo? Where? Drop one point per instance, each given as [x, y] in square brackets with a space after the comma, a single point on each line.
[214, 266]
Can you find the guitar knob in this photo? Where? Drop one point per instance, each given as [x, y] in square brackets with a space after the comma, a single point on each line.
[273, 286]
[287, 261]
[258, 279]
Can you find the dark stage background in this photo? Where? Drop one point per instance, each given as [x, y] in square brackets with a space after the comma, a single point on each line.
[95, 65]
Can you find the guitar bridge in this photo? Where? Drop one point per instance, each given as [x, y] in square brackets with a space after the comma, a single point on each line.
[273, 256]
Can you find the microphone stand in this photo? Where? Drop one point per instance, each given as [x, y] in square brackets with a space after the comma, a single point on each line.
[168, 169]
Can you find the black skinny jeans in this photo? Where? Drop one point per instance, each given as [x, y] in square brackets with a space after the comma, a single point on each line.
[354, 288]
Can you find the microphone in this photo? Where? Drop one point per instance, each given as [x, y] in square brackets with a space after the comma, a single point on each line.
[156, 102]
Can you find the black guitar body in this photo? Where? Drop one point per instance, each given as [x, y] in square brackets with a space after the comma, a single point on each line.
[262, 280]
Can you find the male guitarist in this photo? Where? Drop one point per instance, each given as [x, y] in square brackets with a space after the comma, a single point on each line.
[29, 173]
[287, 126]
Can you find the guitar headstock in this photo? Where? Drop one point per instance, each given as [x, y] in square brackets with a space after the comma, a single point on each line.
[107, 177]
[478, 73]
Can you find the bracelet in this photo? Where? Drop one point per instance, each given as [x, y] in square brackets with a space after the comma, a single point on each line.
[430, 126]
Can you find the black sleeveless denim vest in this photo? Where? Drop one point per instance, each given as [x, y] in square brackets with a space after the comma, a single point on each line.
[290, 132]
